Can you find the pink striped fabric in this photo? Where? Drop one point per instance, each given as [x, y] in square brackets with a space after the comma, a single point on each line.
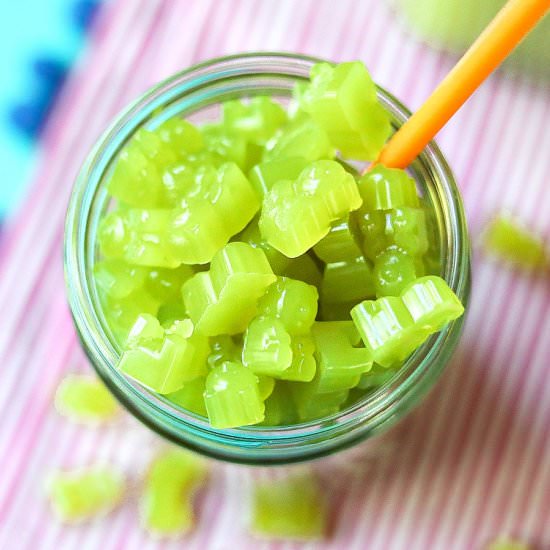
[472, 462]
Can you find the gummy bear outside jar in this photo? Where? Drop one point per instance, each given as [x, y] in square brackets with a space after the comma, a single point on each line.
[196, 93]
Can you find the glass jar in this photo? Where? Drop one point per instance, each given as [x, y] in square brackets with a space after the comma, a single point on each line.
[195, 93]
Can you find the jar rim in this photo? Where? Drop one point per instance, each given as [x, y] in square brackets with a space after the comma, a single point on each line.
[254, 443]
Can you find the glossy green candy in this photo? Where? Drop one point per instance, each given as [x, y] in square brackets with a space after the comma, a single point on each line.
[266, 386]
[337, 311]
[340, 364]
[342, 100]
[266, 348]
[165, 284]
[339, 245]
[393, 270]
[301, 138]
[266, 174]
[251, 235]
[296, 215]
[387, 329]
[170, 312]
[345, 282]
[403, 227]
[257, 120]
[292, 302]
[514, 243]
[138, 236]
[136, 177]
[112, 235]
[232, 396]
[224, 299]
[118, 279]
[121, 314]
[431, 303]
[147, 329]
[289, 508]
[507, 543]
[191, 396]
[279, 407]
[384, 188]
[303, 268]
[226, 145]
[223, 349]
[223, 204]
[85, 399]
[165, 365]
[375, 378]
[304, 365]
[310, 404]
[181, 136]
[166, 504]
[83, 494]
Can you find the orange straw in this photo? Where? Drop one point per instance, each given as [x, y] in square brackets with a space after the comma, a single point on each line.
[500, 37]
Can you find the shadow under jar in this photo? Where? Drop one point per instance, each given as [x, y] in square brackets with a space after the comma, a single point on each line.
[196, 94]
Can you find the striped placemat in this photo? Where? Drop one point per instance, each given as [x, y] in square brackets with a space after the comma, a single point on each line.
[472, 462]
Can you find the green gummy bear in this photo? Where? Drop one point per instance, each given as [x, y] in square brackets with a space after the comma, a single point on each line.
[338, 245]
[232, 396]
[164, 365]
[345, 282]
[191, 396]
[223, 349]
[224, 204]
[224, 299]
[266, 347]
[336, 311]
[227, 145]
[136, 179]
[118, 279]
[312, 405]
[266, 386]
[393, 270]
[304, 365]
[279, 407]
[257, 120]
[85, 398]
[375, 378]
[384, 188]
[137, 175]
[300, 138]
[403, 227]
[431, 303]
[387, 329]
[83, 494]
[165, 284]
[508, 239]
[266, 174]
[122, 313]
[166, 503]
[289, 508]
[112, 235]
[251, 235]
[296, 215]
[170, 312]
[342, 99]
[181, 136]
[339, 363]
[303, 268]
[507, 543]
[138, 236]
[292, 302]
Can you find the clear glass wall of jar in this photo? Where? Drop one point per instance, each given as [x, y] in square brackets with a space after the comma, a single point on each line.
[196, 93]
